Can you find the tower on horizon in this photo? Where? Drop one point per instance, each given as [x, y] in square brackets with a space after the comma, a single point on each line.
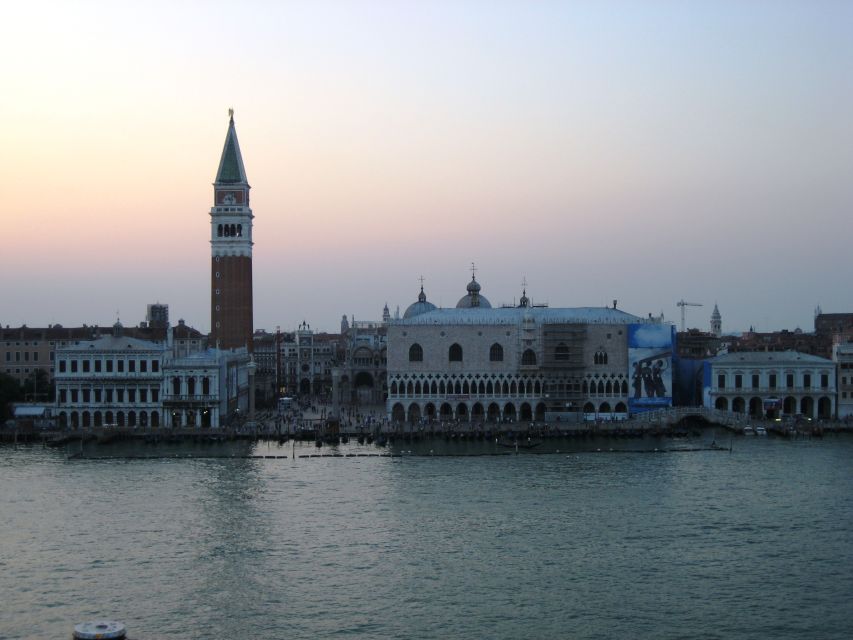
[231, 250]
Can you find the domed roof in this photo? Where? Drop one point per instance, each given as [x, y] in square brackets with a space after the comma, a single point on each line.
[419, 307]
[473, 300]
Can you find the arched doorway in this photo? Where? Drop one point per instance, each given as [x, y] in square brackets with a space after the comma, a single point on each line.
[429, 411]
[526, 411]
[446, 411]
[75, 420]
[155, 419]
[621, 408]
[739, 405]
[589, 410]
[789, 406]
[461, 411]
[824, 408]
[604, 408]
[509, 411]
[756, 409]
[494, 412]
[398, 413]
[364, 383]
[477, 412]
[540, 411]
[97, 418]
[86, 422]
[807, 407]
[721, 404]
[205, 418]
[305, 387]
[414, 413]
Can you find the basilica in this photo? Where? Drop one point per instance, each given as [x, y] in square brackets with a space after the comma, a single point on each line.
[476, 363]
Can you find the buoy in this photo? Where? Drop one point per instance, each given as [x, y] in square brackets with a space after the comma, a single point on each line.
[98, 629]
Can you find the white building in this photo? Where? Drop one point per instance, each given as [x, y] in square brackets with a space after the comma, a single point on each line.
[477, 363]
[121, 381]
[771, 384]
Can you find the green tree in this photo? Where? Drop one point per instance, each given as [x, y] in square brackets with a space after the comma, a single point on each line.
[10, 391]
[38, 388]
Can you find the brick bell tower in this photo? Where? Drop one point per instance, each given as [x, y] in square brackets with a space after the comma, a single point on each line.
[231, 250]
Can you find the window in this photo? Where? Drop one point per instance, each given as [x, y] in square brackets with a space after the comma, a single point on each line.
[721, 381]
[143, 395]
[143, 366]
[738, 381]
[26, 356]
[86, 396]
[789, 380]
[600, 357]
[73, 366]
[824, 381]
[131, 366]
[155, 395]
[155, 366]
[120, 366]
[8, 356]
[63, 396]
[86, 366]
[772, 381]
[62, 366]
[131, 395]
[97, 366]
[98, 395]
[35, 356]
[807, 380]
[119, 394]
[109, 395]
[528, 358]
[755, 384]
[561, 352]
[416, 353]
[74, 395]
[109, 366]
[455, 353]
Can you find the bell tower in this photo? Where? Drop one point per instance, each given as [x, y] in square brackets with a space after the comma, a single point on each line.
[231, 250]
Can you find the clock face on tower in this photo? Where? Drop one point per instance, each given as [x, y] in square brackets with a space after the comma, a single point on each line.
[228, 198]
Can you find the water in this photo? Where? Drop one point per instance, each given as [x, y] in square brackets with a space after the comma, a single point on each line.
[753, 544]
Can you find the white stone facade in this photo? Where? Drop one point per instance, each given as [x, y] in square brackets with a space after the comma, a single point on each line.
[772, 384]
[843, 356]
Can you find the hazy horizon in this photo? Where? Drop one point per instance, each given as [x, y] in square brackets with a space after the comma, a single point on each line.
[641, 152]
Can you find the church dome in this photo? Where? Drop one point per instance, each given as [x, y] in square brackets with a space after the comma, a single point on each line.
[419, 307]
[473, 299]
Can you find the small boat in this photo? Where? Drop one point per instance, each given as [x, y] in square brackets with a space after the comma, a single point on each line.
[528, 443]
[760, 431]
[748, 431]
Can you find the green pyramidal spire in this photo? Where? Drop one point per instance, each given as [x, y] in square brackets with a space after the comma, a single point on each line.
[231, 169]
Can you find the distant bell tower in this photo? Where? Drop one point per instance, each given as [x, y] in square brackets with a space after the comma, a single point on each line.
[231, 250]
[716, 323]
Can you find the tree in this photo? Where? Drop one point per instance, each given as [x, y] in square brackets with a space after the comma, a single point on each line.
[38, 388]
[10, 391]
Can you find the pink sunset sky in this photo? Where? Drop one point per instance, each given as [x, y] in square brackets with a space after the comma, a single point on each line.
[645, 152]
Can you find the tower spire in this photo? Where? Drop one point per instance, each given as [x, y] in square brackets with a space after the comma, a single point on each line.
[231, 170]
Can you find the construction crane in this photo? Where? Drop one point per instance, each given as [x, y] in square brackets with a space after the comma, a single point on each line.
[681, 303]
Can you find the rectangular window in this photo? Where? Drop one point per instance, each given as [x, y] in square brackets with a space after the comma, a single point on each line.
[109, 366]
[738, 381]
[120, 366]
[26, 356]
[155, 366]
[772, 380]
[35, 356]
[97, 366]
[8, 356]
[789, 380]
[119, 394]
[755, 384]
[87, 396]
[62, 366]
[86, 365]
[98, 395]
[807, 381]
[17, 356]
[109, 395]
[155, 395]
[131, 395]
[63, 396]
[143, 395]
[52, 356]
[143, 366]
[74, 395]
[824, 381]
[73, 366]
[131, 366]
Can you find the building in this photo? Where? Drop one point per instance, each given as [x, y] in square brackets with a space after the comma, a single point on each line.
[477, 363]
[111, 380]
[231, 251]
[842, 354]
[771, 384]
[157, 316]
[361, 378]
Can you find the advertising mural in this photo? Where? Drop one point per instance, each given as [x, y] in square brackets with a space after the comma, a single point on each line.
[650, 366]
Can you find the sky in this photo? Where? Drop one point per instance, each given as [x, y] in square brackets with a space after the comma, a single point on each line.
[641, 152]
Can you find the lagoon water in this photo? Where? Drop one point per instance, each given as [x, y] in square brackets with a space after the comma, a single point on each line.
[757, 543]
